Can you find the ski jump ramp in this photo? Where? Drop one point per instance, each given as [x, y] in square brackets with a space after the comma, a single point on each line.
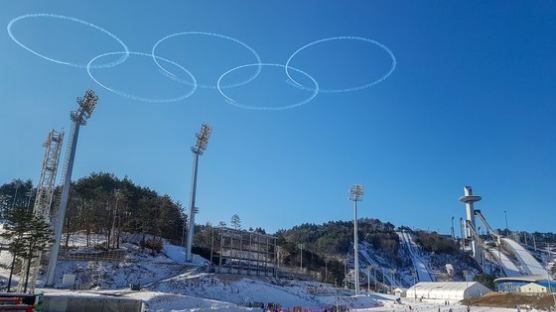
[423, 273]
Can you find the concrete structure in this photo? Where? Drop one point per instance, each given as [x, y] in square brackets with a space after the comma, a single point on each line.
[469, 199]
[446, 291]
[533, 288]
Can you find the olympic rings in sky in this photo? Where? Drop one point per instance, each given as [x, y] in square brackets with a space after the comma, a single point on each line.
[193, 33]
[72, 19]
[355, 88]
[231, 101]
[192, 83]
[142, 99]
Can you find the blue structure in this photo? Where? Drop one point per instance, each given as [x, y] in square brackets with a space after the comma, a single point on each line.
[512, 284]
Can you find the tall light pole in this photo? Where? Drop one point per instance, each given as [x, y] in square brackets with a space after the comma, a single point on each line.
[506, 218]
[355, 195]
[87, 105]
[200, 146]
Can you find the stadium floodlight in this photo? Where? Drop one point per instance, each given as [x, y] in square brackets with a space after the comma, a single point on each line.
[202, 139]
[200, 146]
[87, 105]
[355, 195]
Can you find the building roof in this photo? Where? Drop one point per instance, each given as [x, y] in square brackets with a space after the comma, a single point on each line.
[533, 285]
[524, 278]
[444, 286]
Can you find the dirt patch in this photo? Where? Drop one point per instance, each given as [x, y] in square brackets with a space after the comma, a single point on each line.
[509, 300]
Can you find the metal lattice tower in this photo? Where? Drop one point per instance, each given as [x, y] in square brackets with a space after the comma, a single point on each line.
[87, 105]
[43, 199]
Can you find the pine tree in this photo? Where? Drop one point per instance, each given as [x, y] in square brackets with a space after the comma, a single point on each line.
[40, 238]
[236, 222]
[27, 236]
[16, 226]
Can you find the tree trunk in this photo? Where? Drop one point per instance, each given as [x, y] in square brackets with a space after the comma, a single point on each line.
[88, 233]
[11, 272]
[28, 270]
[67, 239]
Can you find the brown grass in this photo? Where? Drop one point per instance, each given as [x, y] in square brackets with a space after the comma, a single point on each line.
[510, 300]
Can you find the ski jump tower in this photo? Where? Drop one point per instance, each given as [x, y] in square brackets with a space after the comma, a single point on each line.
[43, 202]
[469, 228]
[79, 117]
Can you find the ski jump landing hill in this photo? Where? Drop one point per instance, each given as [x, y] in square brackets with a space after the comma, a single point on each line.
[512, 258]
[419, 264]
[527, 263]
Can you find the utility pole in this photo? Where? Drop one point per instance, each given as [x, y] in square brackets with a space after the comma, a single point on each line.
[301, 256]
[325, 270]
[356, 195]
[453, 229]
[79, 118]
[506, 218]
[198, 149]
[368, 280]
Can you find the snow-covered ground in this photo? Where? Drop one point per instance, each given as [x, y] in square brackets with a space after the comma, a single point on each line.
[171, 285]
[409, 305]
[527, 261]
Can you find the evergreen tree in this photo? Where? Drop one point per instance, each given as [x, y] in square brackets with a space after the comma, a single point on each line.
[236, 222]
[27, 235]
[39, 238]
[16, 227]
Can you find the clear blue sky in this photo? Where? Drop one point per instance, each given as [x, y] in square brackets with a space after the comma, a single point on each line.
[472, 101]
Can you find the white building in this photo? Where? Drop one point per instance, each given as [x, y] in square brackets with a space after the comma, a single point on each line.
[446, 291]
[533, 288]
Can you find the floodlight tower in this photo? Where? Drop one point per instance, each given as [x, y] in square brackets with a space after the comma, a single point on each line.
[469, 199]
[355, 195]
[79, 117]
[200, 146]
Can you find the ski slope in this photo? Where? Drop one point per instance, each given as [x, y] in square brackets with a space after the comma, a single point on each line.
[509, 268]
[423, 273]
[527, 262]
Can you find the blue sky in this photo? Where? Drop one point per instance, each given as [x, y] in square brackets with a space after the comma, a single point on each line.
[472, 101]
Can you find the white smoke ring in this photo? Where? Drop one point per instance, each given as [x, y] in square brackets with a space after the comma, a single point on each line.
[188, 33]
[72, 19]
[365, 86]
[233, 102]
[137, 98]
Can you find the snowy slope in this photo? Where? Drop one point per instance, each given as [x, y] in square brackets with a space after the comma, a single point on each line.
[527, 261]
[509, 268]
[420, 267]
